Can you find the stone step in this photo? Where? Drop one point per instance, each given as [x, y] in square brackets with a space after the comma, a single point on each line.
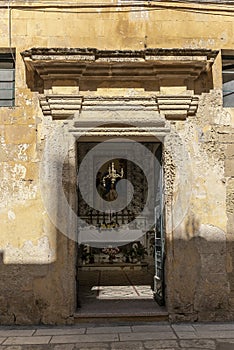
[84, 317]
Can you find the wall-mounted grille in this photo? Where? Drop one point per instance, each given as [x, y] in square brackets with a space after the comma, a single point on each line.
[228, 80]
[7, 79]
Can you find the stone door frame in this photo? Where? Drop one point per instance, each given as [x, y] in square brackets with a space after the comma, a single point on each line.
[98, 139]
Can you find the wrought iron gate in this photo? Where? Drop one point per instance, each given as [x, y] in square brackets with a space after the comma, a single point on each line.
[159, 281]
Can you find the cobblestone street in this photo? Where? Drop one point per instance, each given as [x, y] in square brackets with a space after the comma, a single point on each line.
[166, 336]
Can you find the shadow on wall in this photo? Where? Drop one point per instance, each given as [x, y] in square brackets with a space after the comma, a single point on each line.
[39, 293]
[43, 293]
[198, 280]
[197, 275]
[202, 84]
[198, 285]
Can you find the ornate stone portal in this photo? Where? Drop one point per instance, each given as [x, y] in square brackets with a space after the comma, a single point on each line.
[138, 94]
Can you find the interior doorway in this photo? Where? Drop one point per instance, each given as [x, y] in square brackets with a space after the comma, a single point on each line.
[124, 275]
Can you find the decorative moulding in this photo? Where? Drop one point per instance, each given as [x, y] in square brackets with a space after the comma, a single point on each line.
[90, 69]
[61, 107]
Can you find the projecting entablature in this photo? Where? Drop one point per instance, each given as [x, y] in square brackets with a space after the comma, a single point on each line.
[162, 81]
[151, 67]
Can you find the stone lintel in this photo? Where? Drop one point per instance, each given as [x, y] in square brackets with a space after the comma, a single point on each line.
[112, 131]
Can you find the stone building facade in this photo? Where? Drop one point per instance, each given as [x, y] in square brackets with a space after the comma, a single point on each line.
[73, 72]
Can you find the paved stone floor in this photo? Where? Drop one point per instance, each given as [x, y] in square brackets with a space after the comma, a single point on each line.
[111, 284]
[125, 336]
[117, 292]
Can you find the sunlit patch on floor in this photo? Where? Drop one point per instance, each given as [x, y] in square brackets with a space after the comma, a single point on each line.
[123, 292]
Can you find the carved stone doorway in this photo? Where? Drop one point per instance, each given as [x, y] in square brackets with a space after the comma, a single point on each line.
[117, 279]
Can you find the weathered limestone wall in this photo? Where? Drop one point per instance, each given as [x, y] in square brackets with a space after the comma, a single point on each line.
[119, 27]
[197, 247]
[38, 268]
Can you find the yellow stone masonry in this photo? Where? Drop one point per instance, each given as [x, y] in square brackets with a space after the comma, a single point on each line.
[33, 249]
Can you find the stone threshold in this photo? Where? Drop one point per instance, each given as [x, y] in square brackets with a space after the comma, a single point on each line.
[111, 317]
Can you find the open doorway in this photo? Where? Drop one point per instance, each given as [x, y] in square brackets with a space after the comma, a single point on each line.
[127, 275]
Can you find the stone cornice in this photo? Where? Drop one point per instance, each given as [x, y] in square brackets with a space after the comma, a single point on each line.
[62, 107]
[44, 64]
[95, 54]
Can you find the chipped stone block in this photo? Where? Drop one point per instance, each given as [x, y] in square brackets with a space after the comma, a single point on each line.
[229, 167]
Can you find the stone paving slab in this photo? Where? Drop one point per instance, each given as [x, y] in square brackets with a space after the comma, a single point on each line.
[59, 331]
[27, 340]
[90, 338]
[117, 329]
[146, 336]
[187, 335]
[91, 346]
[63, 347]
[214, 327]
[127, 346]
[198, 344]
[29, 347]
[152, 328]
[217, 334]
[183, 328]
[16, 332]
[161, 344]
